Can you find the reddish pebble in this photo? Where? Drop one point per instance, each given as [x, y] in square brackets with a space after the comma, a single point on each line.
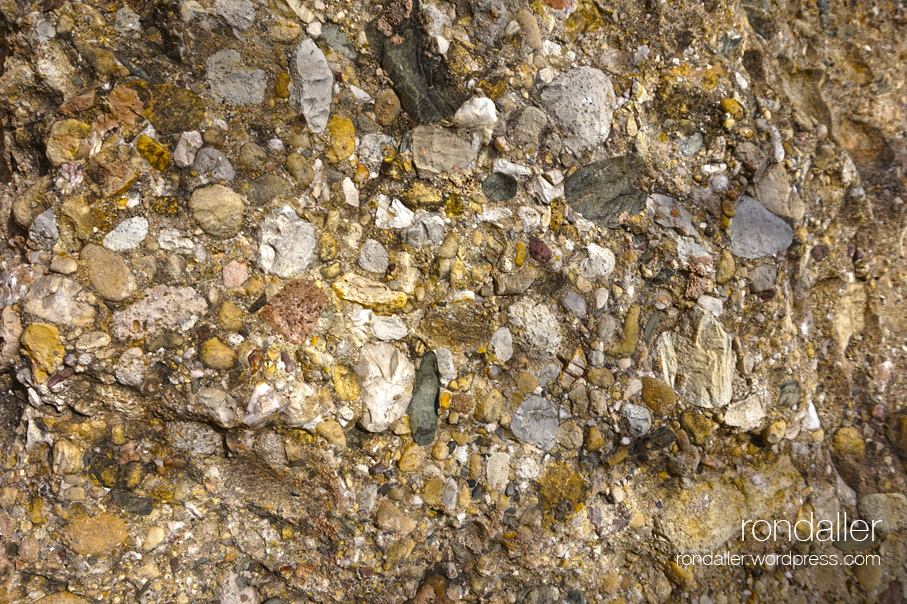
[539, 250]
[235, 274]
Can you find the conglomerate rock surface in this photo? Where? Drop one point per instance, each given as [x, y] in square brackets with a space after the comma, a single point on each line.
[484, 300]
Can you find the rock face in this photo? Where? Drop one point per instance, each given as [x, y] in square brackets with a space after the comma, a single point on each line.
[386, 382]
[605, 191]
[756, 232]
[422, 410]
[708, 515]
[700, 351]
[286, 243]
[582, 102]
[314, 85]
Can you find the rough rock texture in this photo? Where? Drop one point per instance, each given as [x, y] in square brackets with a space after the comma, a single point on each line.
[583, 105]
[605, 192]
[386, 380]
[295, 310]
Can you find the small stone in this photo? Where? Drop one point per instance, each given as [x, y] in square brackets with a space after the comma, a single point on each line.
[373, 257]
[411, 458]
[345, 383]
[762, 278]
[422, 409]
[630, 336]
[370, 294]
[582, 103]
[314, 84]
[499, 187]
[490, 408]
[502, 344]
[173, 109]
[127, 235]
[388, 328]
[252, 157]
[153, 152]
[526, 382]
[598, 264]
[41, 342]
[725, 268]
[698, 426]
[67, 458]
[605, 191]
[459, 275]
[332, 432]
[186, 148]
[756, 232]
[386, 379]
[570, 436]
[774, 432]
[115, 169]
[213, 165]
[96, 536]
[575, 304]
[849, 443]
[539, 250]
[421, 195]
[108, 272]
[889, 509]
[497, 472]
[387, 107]
[33, 202]
[437, 151]
[218, 210]
[639, 419]
[594, 439]
[131, 367]
[230, 316]
[217, 355]
[343, 139]
[536, 422]
[65, 140]
[153, 538]
[61, 300]
[537, 326]
[295, 310]
[392, 519]
[300, 169]
[658, 396]
[230, 80]
[163, 308]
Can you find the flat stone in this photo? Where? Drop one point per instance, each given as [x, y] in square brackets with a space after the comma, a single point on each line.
[41, 342]
[699, 349]
[115, 169]
[498, 186]
[658, 396]
[268, 187]
[536, 422]
[314, 85]
[756, 232]
[502, 344]
[497, 472]
[639, 419]
[605, 191]
[336, 39]
[773, 190]
[668, 212]
[386, 382]
[582, 102]
[286, 243]
[439, 151]
[235, 274]
[172, 109]
[373, 257]
[238, 13]
[127, 235]
[574, 303]
[44, 231]
[368, 293]
[65, 140]
[131, 367]
[490, 408]
[186, 148]
[217, 355]
[218, 210]
[423, 407]
[762, 278]
[33, 202]
[599, 262]
[163, 308]
[96, 536]
[62, 301]
[426, 229]
[392, 519]
[388, 328]
[229, 79]
[513, 284]
[213, 165]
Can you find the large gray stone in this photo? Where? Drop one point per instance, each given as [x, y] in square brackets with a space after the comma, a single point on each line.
[604, 190]
[422, 410]
[699, 350]
[535, 422]
[232, 81]
[756, 232]
[582, 102]
[314, 85]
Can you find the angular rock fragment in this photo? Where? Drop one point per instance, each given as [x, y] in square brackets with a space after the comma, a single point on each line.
[438, 151]
[536, 422]
[605, 191]
[314, 85]
[386, 382]
[582, 102]
[756, 232]
[422, 409]
[286, 243]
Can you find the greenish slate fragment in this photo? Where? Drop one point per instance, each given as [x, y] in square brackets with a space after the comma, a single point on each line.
[411, 72]
[423, 407]
[604, 190]
[336, 39]
[134, 504]
[651, 326]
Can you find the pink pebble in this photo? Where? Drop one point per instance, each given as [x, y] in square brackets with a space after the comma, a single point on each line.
[235, 274]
